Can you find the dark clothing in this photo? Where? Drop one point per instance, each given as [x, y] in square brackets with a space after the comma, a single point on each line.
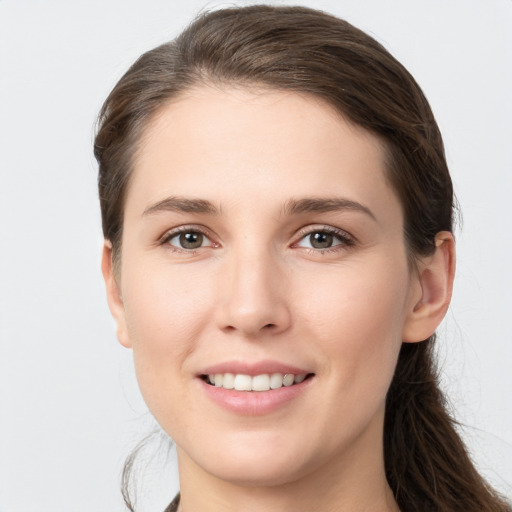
[173, 507]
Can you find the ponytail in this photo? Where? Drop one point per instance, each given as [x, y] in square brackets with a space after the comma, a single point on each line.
[427, 465]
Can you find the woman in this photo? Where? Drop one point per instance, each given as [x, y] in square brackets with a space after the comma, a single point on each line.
[277, 213]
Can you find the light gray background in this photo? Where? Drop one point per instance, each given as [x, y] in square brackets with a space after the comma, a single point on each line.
[69, 406]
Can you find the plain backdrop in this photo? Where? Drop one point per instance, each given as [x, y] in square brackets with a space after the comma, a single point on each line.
[69, 406]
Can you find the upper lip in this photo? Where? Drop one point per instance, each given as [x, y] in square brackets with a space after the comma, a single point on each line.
[253, 368]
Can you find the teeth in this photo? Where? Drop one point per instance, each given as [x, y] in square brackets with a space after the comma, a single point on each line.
[228, 381]
[243, 382]
[263, 382]
[276, 380]
[288, 379]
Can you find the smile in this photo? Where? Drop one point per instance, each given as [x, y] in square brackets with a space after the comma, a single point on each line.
[262, 382]
[254, 393]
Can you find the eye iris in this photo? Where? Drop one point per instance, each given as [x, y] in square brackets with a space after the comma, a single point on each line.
[191, 240]
[321, 240]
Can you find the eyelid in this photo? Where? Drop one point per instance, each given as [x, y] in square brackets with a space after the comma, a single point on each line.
[347, 240]
[186, 228]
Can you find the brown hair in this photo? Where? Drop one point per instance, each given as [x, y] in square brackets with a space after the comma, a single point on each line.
[308, 51]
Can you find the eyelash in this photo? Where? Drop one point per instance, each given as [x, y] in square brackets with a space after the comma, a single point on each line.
[165, 240]
[346, 240]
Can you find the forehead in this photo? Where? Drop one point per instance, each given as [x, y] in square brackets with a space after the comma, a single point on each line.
[234, 144]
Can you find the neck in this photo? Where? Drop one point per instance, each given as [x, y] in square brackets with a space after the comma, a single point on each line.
[354, 482]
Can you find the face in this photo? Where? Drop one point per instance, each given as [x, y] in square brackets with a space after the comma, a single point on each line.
[263, 248]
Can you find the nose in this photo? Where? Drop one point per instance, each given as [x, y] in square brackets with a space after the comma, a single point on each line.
[253, 299]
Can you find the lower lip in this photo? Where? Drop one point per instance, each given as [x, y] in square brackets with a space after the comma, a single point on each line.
[254, 403]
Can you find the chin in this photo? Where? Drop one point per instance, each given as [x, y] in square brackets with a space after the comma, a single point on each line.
[251, 474]
[255, 460]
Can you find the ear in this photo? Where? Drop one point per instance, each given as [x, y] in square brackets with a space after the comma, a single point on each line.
[431, 291]
[114, 297]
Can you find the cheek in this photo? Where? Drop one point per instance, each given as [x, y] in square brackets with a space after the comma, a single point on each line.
[164, 303]
[355, 327]
[165, 314]
[357, 319]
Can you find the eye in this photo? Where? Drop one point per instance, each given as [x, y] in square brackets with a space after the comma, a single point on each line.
[319, 240]
[188, 240]
[326, 238]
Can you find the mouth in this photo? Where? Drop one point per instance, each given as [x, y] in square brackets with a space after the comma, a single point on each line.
[258, 383]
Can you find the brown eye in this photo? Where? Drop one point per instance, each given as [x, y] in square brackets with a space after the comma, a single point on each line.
[189, 240]
[324, 239]
[321, 240]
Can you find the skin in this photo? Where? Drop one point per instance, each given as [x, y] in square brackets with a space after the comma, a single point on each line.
[258, 290]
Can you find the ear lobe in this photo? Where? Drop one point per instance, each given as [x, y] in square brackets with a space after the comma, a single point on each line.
[114, 298]
[432, 290]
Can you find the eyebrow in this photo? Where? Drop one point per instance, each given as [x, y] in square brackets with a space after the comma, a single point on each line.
[320, 204]
[182, 205]
[291, 207]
